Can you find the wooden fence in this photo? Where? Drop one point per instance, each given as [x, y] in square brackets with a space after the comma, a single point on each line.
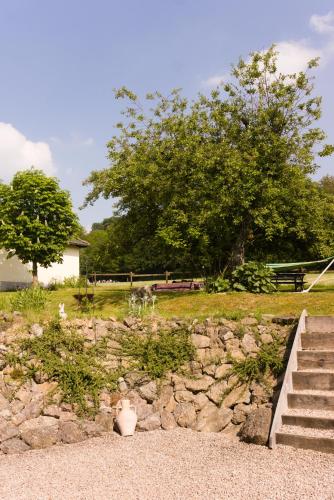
[167, 275]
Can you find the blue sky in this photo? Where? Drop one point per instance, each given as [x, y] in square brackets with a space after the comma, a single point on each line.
[61, 59]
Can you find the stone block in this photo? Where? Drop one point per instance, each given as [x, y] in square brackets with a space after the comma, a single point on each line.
[148, 391]
[240, 394]
[40, 432]
[70, 432]
[151, 423]
[216, 391]
[257, 426]
[14, 445]
[222, 370]
[185, 415]
[213, 419]
[7, 430]
[200, 384]
[168, 421]
[200, 341]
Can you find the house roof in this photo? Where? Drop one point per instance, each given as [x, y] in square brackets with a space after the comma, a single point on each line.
[77, 242]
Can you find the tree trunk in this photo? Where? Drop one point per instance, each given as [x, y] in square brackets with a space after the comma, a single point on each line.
[237, 256]
[34, 275]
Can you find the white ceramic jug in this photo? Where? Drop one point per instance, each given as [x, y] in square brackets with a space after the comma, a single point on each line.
[126, 417]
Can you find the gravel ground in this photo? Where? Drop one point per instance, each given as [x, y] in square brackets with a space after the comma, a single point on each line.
[179, 464]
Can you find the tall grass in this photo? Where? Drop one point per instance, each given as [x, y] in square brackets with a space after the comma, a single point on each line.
[29, 299]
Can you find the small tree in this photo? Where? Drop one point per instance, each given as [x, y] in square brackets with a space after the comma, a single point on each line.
[36, 219]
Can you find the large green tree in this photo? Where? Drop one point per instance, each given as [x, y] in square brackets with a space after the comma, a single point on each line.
[207, 181]
[36, 219]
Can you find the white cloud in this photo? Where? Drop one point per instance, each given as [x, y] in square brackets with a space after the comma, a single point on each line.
[323, 24]
[19, 153]
[293, 56]
[216, 80]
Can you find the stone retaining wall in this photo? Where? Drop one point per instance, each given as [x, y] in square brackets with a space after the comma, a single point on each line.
[206, 398]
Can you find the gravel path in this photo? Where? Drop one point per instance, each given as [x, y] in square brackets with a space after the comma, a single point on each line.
[179, 464]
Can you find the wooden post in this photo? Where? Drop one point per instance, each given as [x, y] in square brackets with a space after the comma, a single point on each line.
[131, 276]
[167, 274]
[94, 278]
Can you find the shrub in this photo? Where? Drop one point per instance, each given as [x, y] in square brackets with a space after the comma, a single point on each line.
[217, 284]
[158, 354]
[54, 285]
[69, 282]
[253, 277]
[269, 360]
[64, 357]
[29, 299]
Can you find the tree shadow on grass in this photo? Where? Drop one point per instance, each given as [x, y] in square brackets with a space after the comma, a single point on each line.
[116, 298]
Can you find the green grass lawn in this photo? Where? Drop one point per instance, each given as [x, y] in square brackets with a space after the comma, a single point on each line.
[112, 300]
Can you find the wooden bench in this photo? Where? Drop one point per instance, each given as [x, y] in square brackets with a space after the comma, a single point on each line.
[296, 279]
[176, 286]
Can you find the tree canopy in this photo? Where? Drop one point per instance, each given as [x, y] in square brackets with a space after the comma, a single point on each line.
[36, 219]
[207, 182]
[327, 184]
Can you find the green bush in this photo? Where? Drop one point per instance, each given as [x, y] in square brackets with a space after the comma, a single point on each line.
[62, 356]
[69, 282]
[75, 282]
[29, 299]
[158, 354]
[253, 277]
[269, 360]
[217, 284]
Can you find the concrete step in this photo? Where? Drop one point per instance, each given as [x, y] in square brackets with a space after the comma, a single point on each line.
[315, 359]
[320, 324]
[315, 420]
[309, 439]
[318, 341]
[312, 400]
[313, 380]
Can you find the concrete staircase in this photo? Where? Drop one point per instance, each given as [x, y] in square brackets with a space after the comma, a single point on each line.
[308, 419]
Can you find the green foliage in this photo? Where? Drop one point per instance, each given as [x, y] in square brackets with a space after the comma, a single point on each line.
[240, 331]
[217, 284]
[158, 354]
[29, 299]
[75, 282]
[98, 256]
[208, 182]
[253, 277]
[326, 184]
[4, 303]
[63, 357]
[268, 360]
[86, 305]
[36, 219]
[69, 282]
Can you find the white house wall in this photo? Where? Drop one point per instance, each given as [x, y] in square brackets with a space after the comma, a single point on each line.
[14, 274]
[57, 272]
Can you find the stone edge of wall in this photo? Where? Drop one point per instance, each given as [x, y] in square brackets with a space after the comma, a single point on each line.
[287, 386]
